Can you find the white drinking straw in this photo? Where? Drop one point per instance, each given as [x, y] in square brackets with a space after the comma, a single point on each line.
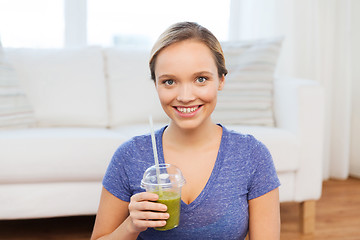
[153, 141]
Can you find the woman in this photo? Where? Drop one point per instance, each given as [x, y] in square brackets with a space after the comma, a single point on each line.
[231, 184]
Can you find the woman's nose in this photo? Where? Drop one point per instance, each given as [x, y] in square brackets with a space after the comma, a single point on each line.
[185, 93]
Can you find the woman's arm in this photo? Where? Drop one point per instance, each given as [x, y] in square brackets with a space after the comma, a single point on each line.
[117, 219]
[264, 216]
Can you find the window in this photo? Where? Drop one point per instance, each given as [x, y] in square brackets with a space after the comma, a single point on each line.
[140, 22]
[41, 23]
[33, 24]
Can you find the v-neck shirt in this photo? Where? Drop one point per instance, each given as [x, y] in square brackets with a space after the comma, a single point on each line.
[243, 170]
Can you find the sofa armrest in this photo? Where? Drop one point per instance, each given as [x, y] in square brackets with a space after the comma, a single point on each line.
[299, 106]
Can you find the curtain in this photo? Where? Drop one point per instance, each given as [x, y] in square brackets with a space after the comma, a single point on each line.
[317, 46]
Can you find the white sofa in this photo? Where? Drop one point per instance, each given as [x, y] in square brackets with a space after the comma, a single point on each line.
[88, 101]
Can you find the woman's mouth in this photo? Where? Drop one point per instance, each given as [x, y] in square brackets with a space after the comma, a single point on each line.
[187, 111]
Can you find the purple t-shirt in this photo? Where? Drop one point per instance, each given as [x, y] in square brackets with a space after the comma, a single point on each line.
[243, 170]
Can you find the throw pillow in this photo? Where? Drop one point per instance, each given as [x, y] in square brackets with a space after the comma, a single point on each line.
[15, 110]
[247, 97]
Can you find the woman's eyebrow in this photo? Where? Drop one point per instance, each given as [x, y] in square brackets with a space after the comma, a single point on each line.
[203, 73]
[166, 76]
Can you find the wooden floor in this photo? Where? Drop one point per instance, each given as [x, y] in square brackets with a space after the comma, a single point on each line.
[337, 217]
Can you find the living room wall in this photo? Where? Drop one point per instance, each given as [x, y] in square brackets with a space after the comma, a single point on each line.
[355, 118]
[320, 43]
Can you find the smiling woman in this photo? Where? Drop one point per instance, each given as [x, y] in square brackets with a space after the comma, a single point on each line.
[231, 182]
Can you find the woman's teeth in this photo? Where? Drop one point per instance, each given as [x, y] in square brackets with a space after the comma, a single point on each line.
[187, 110]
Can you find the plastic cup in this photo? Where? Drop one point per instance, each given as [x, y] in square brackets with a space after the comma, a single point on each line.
[168, 186]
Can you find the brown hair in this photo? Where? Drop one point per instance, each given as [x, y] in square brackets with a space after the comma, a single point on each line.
[183, 31]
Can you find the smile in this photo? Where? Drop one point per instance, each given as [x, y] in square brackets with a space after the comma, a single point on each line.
[187, 109]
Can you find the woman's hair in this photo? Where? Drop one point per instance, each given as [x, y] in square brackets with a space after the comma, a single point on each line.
[184, 31]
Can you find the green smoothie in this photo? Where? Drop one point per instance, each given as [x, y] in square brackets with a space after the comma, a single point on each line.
[172, 201]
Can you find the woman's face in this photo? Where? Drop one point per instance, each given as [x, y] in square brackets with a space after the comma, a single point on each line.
[187, 83]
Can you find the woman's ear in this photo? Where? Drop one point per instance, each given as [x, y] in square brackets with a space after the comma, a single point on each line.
[221, 82]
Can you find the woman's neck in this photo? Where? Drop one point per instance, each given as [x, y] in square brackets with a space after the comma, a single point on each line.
[174, 136]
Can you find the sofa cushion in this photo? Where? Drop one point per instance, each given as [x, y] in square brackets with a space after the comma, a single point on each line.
[39, 200]
[247, 97]
[66, 86]
[15, 108]
[56, 154]
[132, 94]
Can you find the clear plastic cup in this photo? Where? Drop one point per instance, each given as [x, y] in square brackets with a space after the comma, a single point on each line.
[168, 187]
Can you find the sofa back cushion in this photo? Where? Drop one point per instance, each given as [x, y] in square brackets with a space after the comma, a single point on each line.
[132, 94]
[15, 108]
[66, 86]
[247, 97]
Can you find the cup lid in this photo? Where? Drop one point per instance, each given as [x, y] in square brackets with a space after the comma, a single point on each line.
[169, 175]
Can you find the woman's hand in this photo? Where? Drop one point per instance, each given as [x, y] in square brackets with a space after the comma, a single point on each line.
[145, 212]
[117, 219]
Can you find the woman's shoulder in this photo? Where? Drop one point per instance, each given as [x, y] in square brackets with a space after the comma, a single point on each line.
[247, 148]
[237, 136]
[242, 143]
[138, 144]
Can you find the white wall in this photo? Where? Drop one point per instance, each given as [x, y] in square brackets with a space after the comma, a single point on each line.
[318, 45]
[355, 118]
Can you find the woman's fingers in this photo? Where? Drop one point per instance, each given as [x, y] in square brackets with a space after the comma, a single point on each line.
[149, 224]
[144, 202]
[149, 215]
[144, 196]
[147, 206]
[146, 213]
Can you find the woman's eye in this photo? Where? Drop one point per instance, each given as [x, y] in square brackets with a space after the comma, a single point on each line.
[168, 82]
[201, 79]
